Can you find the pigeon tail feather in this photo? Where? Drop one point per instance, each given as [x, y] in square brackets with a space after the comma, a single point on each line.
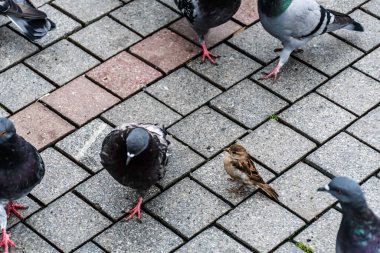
[355, 26]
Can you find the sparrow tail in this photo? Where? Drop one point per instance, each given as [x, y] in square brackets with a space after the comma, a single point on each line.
[269, 191]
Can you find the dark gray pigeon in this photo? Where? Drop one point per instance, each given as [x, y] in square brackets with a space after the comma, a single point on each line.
[33, 23]
[135, 155]
[206, 14]
[21, 169]
[359, 230]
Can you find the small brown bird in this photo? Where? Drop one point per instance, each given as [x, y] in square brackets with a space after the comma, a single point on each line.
[239, 165]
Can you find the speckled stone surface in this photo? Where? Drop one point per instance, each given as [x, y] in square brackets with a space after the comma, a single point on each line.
[371, 189]
[372, 6]
[89, 247]
[369, 64]
[3, 113]
[289, 248]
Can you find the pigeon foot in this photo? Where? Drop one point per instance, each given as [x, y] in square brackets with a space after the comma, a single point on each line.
[135, 210]
[12, 207]
[6, 241]
[273, 74]
[296, 51]
[207, 54]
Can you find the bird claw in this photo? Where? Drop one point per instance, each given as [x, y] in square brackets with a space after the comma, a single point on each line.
[12, 207]
[135, 210]
[273, 74]
[6, 241]
[207, 54]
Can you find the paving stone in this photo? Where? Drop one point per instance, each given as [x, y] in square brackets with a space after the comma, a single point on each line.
[248, 103]
[13, 47]
[61, 175]
[111, 197]
[80, 100]
[346, 156]
[214, 177]
[149, 236]
[245, 14]
[341, 5]
[28, 241]
[87, 10]
[187, 207]
[276, 145]
[69, 227]
[183, 91]
[295, 80]
[62, 62]
[317, 117]
[373, 7]
[181, 160]
[169, 3]
[85, 144]
[232, 66]
[214, 131]
[166, 50]
[89, 247]
[141, 108]
[145, 16]
[367, 128]
[124, 74]
[298, 190]
[261, 223]
[320, 236]
[3, 113]
[329, 54]
[289, 248]
[257, 42]
[369, 64]
[25, 83]
[39, 125]
[105, 38]
[371, 189]
[32, 208]
[4, 20]
[212, 240]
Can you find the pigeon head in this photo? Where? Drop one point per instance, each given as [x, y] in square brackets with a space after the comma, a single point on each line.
[137, 141]
[7, 130]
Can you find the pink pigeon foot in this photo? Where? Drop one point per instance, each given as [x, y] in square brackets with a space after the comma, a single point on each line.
[207, 54]
[6, 241]
[273, 74]
[12, 207]
[136, 210]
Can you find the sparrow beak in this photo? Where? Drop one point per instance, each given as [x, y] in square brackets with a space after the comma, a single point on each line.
[326, 188]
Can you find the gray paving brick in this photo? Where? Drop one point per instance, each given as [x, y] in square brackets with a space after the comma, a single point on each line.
[346, 156]
[276, 145]
[110, 196]
[261, 223]
[105, 38]
[341, 5]
[298, 190]
[183, 91]
[68, 222]
[89, 247]
[87, 10]
[214, 177]
[60, 176]
[145, 16]
[358, 95]
[214, 131]
[370, 64]
[62, 62]
[371, 190]
[367, 128]
[141, 108]
[248, 103]
[170, 3]
[212, 240]
[231, 68]
[289, 248]
[3, 113]
[25, 83]
[4, 20]
[317, 117]
[32, 208]
[295, 80]
[85, 144]
[13, 47]
[187, 207]
[373, 6]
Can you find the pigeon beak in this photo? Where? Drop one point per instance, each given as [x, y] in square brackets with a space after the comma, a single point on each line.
[129, 158]
[324, 189]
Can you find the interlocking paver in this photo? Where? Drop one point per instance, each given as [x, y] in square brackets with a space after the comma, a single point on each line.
[183, 91]
[371, 189]
[187, 207]
[3, 113]
[317, 117]
[341, 5]
[373, 6]
[232, 66]
[346, 156]
[248, 103]
[89, 247]
[105, 38]
[247, 13]
[4, 20]
[168, 2]
[276, 145]
[68, 222]
[62, 62]
[289, 248]
[369, 64]
[25, 83]
[214, 131]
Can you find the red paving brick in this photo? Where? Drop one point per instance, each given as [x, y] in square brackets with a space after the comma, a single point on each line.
[39, 125]
[166, 50]
[124, 74]
[247, 14]
[80, 100]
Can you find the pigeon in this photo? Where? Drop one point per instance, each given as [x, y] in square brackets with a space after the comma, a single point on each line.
[206, 14]
[239, 165]
[21, 169]
[33, 23]
[136, 155]
[295, 22]
[359, 230]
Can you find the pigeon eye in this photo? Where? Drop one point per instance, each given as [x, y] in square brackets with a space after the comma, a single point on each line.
[338, 190]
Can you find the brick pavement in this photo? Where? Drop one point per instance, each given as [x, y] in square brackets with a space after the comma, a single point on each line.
[115, 61]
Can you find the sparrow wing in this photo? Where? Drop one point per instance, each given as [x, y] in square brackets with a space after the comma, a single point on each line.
[247, 166]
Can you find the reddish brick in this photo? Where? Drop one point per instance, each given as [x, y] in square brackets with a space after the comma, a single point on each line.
[124, 74]
[80, 100]
[39, 125]
[247, 13]
[166, 50]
